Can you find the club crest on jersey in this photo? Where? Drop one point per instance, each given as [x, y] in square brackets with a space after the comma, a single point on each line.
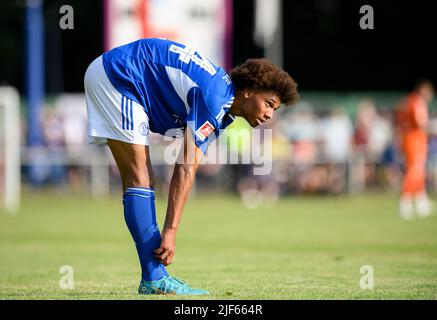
[144, 129]
[205, 130]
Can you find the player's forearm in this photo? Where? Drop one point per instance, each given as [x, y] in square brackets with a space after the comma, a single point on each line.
[180, 187]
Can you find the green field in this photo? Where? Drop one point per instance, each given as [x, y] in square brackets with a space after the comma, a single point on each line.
[301, 248]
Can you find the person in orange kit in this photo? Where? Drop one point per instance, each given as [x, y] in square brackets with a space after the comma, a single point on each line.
[412, 118]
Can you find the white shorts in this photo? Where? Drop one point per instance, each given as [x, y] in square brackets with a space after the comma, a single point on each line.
[112, 115]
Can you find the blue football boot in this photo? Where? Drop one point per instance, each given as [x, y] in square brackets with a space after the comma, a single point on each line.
[168, 286]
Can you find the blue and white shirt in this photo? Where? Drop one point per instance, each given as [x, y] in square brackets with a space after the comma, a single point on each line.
[176, 85]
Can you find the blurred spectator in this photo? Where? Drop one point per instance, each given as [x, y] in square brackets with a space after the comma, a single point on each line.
[238, 138]
[281, 153]
[302, 129]
[211, 171]
[47, 167]
[366, 117]
[72, 110]
[432, 150]
[380, 136]
[337, 133]
[54, 139]
[300, 126]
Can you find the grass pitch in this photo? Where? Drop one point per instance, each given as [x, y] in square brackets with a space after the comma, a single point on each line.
[300, 248]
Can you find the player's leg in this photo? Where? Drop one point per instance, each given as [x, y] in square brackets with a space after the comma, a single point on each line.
[406, 200]
[136, 173]
[133, 162]
[422, 202]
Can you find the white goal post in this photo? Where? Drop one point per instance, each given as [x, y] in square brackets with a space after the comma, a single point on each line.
[10, 164]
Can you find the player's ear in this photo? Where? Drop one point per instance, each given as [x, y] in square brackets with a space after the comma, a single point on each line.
[247, 93]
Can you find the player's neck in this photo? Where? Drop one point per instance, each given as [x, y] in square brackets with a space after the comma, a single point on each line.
[236, 107]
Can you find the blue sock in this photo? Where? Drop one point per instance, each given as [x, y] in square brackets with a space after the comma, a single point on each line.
[140, 216]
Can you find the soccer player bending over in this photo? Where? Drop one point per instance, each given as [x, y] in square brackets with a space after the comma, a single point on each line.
[157, 85]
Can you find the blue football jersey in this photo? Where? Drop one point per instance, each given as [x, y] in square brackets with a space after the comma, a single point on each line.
[176, 85]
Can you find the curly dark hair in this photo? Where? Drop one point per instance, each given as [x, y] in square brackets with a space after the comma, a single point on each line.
[261, 74]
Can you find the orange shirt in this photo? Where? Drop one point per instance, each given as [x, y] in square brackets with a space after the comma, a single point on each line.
[417, 114]
[412, 124]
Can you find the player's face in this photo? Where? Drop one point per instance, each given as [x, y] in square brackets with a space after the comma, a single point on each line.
[427, 92]
[259, 106]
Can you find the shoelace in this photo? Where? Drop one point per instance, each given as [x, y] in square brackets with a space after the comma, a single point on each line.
[171, 284]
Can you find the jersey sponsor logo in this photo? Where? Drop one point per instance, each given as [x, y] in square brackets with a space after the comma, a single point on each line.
[205, 130]
[188, 54]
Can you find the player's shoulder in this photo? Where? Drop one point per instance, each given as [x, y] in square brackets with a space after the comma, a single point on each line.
[415, 101]
[219, 98]
[220, 84]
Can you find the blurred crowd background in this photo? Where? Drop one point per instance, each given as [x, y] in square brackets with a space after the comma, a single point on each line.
[346, 147]
[340, 138]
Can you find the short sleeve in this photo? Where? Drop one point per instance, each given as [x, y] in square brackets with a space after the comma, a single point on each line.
[201, 119]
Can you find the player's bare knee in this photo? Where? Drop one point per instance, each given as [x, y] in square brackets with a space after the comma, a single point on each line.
[133, 181]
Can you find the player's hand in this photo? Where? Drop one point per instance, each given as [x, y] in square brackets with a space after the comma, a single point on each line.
[164, 254]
